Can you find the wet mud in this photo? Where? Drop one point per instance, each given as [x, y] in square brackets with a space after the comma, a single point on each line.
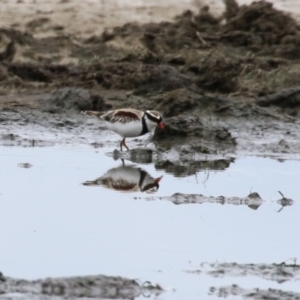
[88, 287]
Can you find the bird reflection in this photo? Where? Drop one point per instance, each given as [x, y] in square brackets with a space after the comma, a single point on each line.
[127, 179]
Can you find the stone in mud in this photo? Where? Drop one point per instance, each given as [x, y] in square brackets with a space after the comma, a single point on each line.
[68, 99]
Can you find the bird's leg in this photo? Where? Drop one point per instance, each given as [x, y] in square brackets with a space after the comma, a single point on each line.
[125, 144]
[122, 143]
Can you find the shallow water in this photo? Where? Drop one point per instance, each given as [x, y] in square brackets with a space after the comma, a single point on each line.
[53, 225]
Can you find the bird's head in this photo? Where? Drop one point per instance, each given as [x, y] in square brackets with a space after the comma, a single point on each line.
[154, 118]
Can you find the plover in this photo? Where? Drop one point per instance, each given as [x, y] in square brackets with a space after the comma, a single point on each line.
[129, 122]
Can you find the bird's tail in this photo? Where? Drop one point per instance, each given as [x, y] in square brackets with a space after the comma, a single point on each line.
[92, 113]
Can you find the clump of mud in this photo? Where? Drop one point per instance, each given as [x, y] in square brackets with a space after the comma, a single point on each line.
[262, 28]
[198, 135]
[67, 99]
[93, 287]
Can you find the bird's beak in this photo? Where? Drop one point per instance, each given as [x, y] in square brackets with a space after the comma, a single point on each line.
[161, 125]
[157, 180]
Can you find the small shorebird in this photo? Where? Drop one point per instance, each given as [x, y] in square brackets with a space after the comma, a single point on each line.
[129, 122]
[127, 179]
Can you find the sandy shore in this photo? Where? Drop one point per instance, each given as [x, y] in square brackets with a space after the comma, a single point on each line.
[84, 18]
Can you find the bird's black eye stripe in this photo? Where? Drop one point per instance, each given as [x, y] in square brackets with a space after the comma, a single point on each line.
[153, 119]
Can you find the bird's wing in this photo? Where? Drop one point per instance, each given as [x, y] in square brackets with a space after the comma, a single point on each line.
[122, 115]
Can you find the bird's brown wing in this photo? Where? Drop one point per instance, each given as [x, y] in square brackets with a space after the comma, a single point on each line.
[122, 115]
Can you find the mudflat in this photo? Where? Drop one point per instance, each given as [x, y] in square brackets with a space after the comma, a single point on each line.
[226, 78]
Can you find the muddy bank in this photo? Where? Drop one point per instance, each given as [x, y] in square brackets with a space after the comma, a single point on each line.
[251, 50]
[221, 130]
[213, 102]
[225, 85]
[92, 287]
[222, 83]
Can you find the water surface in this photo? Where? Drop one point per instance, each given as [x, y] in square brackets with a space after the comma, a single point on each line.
[53, 225]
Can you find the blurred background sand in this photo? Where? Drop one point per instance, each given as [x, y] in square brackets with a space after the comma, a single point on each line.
[91, 17]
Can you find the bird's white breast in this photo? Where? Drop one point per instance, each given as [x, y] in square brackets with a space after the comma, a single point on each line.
[130, 129]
